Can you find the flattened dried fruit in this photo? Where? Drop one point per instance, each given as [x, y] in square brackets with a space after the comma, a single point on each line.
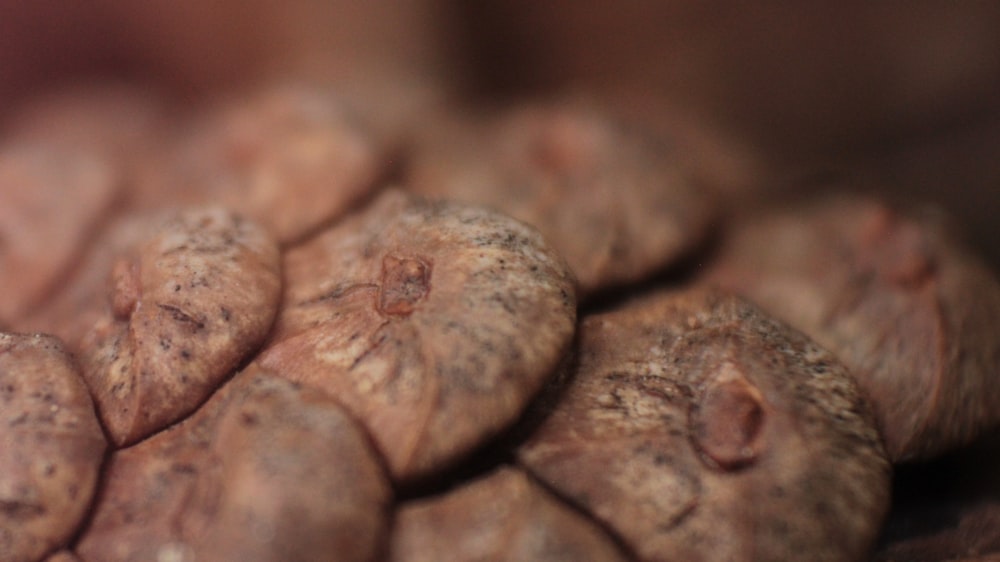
[699, 429]
[187, 302]
[51, 447]
[503, 516]
[52, 199]
[609, 199]
[265, 471]
[290, 158]
[434, 323]
[901, 303]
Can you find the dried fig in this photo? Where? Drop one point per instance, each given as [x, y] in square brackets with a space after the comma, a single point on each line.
[700, 429]
[265, 471]
[896, 297]
[609, 198]
[502, 516]
[193, 294]
[52, 199]
[432, 322]
[51, 447]
[290, 158]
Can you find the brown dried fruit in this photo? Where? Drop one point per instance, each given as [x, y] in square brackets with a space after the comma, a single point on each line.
[52, 199]
[265, 471]
[51, 447]
[610, 199]
[290, 158]
[897, 298]
[503, 516]
[433, 323]
[700, 429]
[195, 293]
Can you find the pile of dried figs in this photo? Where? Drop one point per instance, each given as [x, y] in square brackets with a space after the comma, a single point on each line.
[266, 329]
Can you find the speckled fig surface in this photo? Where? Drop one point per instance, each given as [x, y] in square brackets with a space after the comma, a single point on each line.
[432, 322]
[607, 196]
[289, 157]
[52, 199]
[174, 303]
[899, 300]
[51, 447]
[503, 516]
[264, 471]
[700, 429]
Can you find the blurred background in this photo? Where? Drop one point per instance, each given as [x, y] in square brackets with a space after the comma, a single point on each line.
[762, 98]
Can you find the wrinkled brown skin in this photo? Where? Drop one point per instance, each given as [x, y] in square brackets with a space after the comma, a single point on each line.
[51, 447]
[897, 298]
[433, 323]
[184, 306]
[608, 198]
[265, 471]
[288, 157]
[699, 429]
[503, 516]
[52, 199]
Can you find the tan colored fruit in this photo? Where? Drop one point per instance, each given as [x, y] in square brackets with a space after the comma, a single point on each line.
[502, 516]
[51, 447]
[699, 429]
[606, 196]
[265, 471]
[189, 296]
[896, 297]
[433, 323]
[291, 158]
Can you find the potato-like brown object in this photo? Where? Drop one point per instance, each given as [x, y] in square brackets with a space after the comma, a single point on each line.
[290, 158]
[609, 198]
[186, 305]
[896, 298]
[700, 429]
[432, 322]
[52, 198]
[51, 447]
[265, 471]
[503, 516]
